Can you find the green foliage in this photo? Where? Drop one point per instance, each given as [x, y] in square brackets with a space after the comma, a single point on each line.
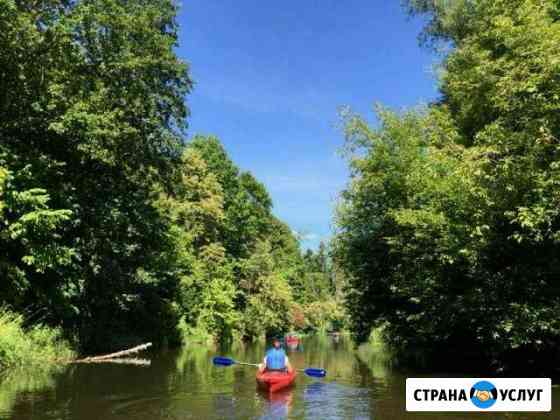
[112, 226]
[91, 109]
[246, 202]
[31, 241]
[324, 315]
[240, 267]
[269, 310]
[266, 273]
[19, 381]
[448, 230]
[33, 348]
[319, 278]
[450, 20]
[268, 296]
[320, 293]
[209, 293]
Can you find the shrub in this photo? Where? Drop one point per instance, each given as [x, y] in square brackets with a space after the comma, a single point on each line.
[20, 347]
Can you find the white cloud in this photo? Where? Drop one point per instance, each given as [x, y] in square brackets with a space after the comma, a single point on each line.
[305, 236]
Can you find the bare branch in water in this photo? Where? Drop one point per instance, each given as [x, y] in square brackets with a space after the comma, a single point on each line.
[116, 357]
[123, 361]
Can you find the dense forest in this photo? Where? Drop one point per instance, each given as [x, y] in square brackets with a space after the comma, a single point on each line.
[115, 228]
[449, 230]
[119, 226]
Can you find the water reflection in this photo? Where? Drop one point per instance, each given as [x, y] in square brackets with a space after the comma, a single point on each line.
[293, 346]
[224, 405]
[278, 404]
[334, 401]
[361, 383]
[23, 383]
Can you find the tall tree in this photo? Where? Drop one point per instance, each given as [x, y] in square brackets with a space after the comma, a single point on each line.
[449, 230]
[92, 104]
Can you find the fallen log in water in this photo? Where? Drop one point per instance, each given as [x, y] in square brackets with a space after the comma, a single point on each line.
[117, 357]
[123, 361]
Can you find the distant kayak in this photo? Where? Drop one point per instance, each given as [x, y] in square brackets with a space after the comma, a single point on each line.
[275, 381]
[292, 339]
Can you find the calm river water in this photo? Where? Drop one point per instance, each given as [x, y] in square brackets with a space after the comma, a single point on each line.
[184, 384]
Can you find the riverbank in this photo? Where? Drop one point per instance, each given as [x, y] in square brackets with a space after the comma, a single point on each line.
[32, 347]
[41, 347]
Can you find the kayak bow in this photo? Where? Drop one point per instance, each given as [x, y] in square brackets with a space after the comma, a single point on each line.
[275, 381]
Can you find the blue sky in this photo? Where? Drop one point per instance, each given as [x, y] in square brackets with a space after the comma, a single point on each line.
[271, 76]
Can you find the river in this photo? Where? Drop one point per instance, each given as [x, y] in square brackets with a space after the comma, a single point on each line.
[183, 384]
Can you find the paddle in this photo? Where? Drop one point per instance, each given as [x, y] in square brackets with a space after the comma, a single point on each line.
[225, 361]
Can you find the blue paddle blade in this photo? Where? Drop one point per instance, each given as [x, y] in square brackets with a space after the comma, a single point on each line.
[223, 361]
[317, 373]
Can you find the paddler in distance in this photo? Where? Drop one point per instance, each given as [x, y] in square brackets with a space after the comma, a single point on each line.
[276, 359]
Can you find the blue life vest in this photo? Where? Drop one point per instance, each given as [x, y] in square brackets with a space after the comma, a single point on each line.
[276, 359]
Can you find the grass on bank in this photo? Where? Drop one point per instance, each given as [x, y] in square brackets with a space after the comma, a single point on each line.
[29, 347]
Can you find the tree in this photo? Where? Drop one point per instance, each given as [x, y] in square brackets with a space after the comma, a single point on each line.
[448, 231]
[92, 106]
[112, 225]
[246, 202]
[32, 250]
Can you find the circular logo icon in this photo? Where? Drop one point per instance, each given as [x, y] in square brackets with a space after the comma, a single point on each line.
[484, 394]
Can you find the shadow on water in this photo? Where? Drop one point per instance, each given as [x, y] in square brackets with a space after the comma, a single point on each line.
[361, 383]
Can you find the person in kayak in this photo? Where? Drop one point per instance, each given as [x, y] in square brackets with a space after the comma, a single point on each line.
[276, 359]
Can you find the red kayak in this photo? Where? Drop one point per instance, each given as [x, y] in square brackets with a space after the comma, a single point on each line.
[275, 381]
[292, 340]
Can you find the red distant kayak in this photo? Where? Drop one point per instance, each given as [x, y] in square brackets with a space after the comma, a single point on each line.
[292, 339]
[275, 381]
